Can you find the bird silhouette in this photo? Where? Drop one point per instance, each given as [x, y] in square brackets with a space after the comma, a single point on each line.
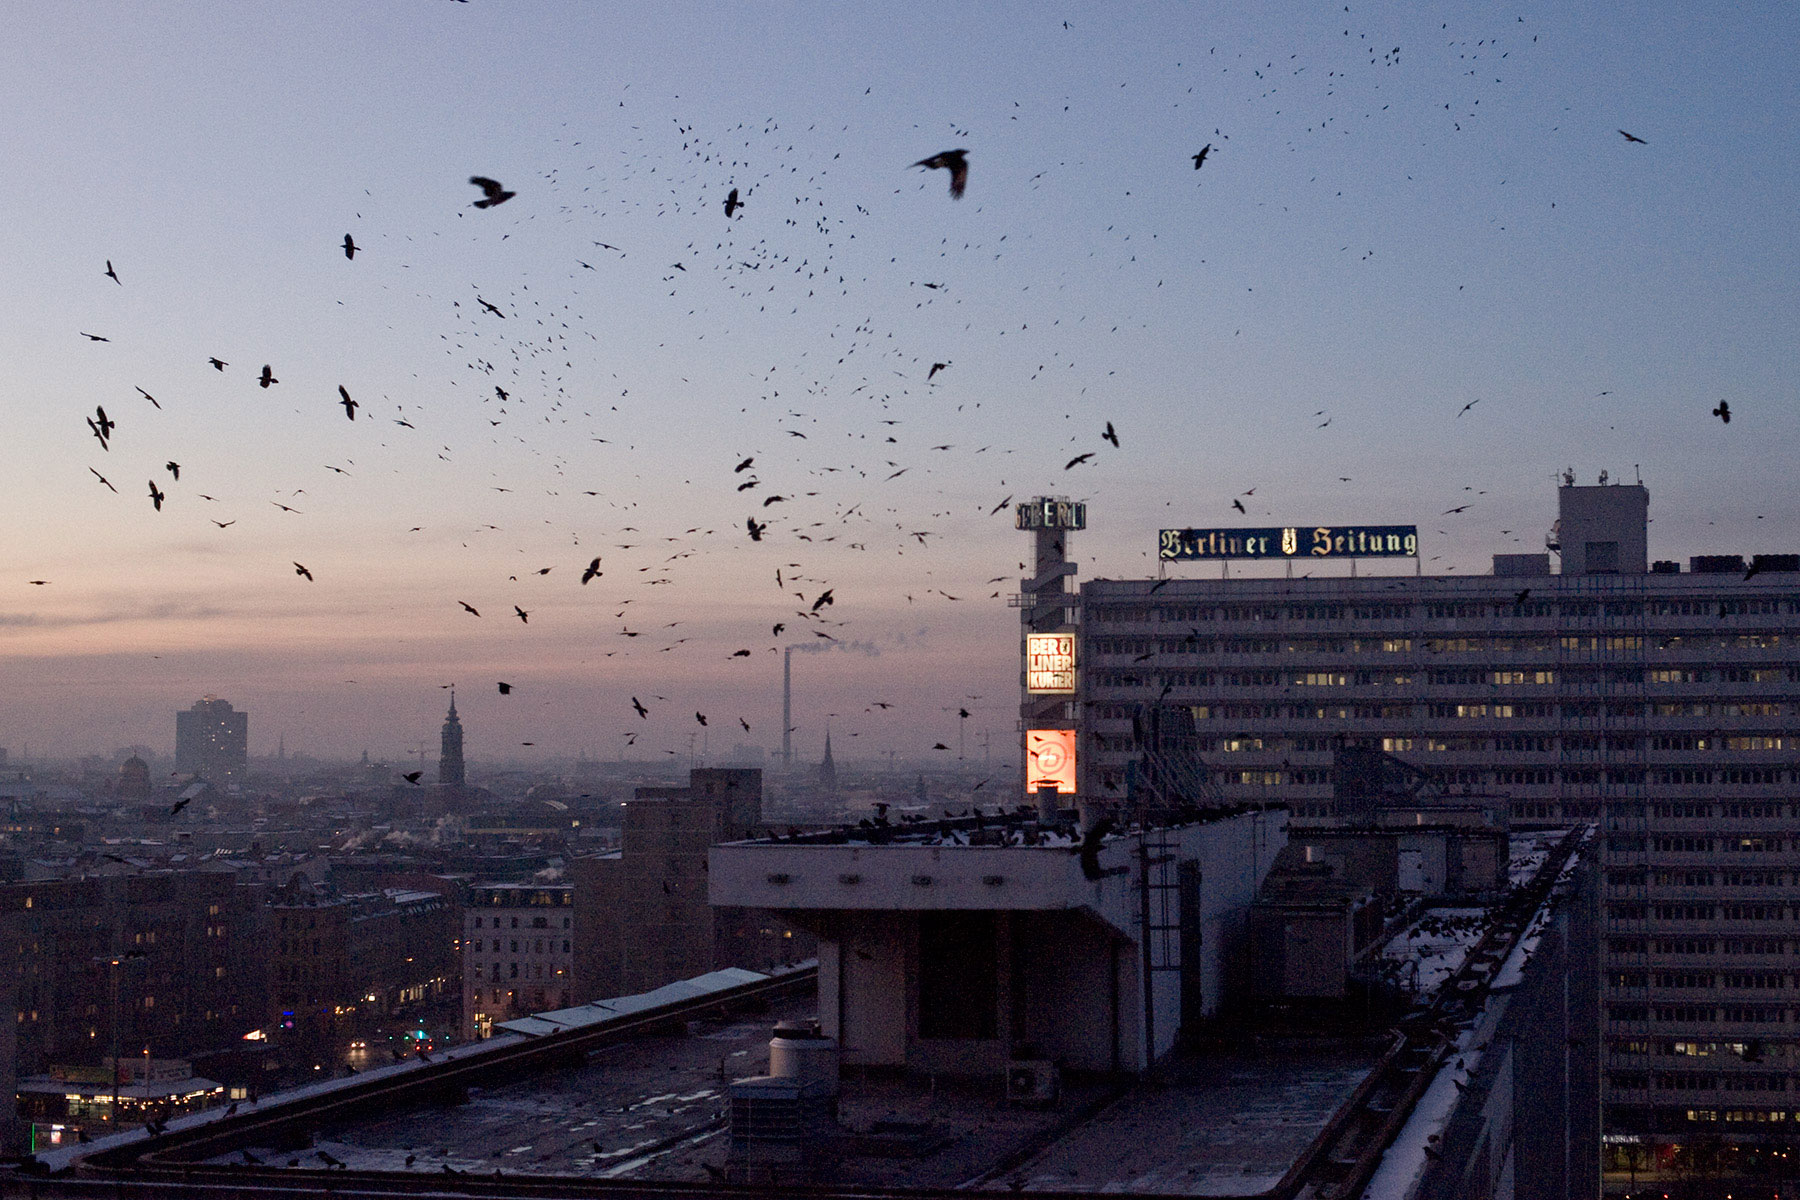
[1078, 460]
[113, 275]
[505, 688]
[756, 530]
[492, 191]
[94, 337]
[150, 398]
[156, 496]
[268, 377]
[524, 617]
[1110, 436]
[105, 480]
[641, 710]
[592, 572]
[218, 364]
[1723, 412]
[349, 246]
[935, 368]
[743, 466]
[1633, 138]
[174, 469]
[1200, 158]
[350, 405]
[1239, 505]
[954, 161]
[732, 203]
[412, 777]
[179, 805]
[469, 608]
[700, 717]
[303, 572]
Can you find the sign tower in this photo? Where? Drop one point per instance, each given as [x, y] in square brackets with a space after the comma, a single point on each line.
[1049, 616]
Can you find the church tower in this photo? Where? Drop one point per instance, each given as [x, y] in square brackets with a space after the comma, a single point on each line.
[450, 756]
[828, 769]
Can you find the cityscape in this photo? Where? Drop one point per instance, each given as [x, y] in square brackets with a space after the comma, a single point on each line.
[893, 601]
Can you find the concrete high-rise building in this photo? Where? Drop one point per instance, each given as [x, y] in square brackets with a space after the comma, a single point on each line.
[450, 748]
[1662, 702]
[212, 740]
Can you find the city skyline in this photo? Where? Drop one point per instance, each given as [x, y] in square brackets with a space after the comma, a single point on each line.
[1420, 270]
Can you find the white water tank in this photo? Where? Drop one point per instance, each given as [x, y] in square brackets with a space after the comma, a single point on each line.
[801, 1053]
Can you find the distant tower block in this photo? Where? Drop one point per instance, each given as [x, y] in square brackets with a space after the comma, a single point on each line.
[1049, 616]
[450, 754]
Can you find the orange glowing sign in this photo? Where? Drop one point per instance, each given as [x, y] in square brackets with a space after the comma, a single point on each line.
[1050, 663]
[1050, 759]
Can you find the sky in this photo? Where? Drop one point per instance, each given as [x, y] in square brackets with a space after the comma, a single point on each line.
[1420, 268]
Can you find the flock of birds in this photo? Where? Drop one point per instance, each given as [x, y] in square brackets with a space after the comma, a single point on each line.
[781, 254]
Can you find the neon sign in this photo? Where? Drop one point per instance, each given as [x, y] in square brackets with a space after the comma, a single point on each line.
[1050, 663]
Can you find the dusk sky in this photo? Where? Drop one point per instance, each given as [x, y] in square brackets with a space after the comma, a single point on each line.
[1420, 269]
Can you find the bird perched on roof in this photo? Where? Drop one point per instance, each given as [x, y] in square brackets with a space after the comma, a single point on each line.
[954, 161]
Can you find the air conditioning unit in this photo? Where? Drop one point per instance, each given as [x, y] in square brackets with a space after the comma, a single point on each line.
[1032, 1081]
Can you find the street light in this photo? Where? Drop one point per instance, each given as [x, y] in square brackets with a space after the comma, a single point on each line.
[113, 963]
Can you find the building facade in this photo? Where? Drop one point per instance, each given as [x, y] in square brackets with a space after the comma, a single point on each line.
[518, 953]
[212, 740]
[1662, 702]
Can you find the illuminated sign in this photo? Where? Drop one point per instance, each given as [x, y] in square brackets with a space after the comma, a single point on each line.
[1050, 759]
[1046, 513]
[1323, 541]
[1050, 663]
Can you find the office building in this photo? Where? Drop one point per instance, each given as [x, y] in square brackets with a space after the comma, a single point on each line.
[212, 740]
[1662, 702]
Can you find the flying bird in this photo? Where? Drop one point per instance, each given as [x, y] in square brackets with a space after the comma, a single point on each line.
[745, 724]
[593, 571]
[732, 203]
[1471, 404]
[1633, 138]
[303, 572]
[756, 531]
[505, 688]
[825, 599]
[412, 777]
[779, 626]
[743, 466]
[935, 368]
[1200, 158]
[94, 337]
[468, 608]
[492, 191]
[180, 804]
[150, 398]
[105, 480]
[490, 308]
[349, 246]
[1078, 460]
[954, 161]
[156, 496]
[218, 364]
[1239, 505]
[1110, 436]
[524, 617]
[174, 469]
[349, 404]
[113, 275]
[642, 712]
[700, 717]
[1723, 412]
[268, 377]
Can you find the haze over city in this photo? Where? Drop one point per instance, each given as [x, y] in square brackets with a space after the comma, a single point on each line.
[1418, 272]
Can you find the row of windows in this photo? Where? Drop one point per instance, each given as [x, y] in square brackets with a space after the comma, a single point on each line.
[535, 922]
[1766, 981]
[1099, 612]
[1698, 911]
[1682, 1081]
[532, 971]
[1705, 1014]
[532, 946]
